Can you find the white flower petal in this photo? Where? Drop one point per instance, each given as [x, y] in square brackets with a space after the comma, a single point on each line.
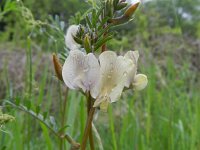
[103, 102]
[69, 40]
[108, 71]
[124, 66]
[140, 82]
[93, 75]
[116, 92]
[97, 102]
[78, 82]
[71, 68]
[81, 71]
[133, 56]
[114, 71]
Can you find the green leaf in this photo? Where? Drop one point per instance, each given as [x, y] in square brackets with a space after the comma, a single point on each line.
[53, 123]
[63, 56]
[121, 6]
[100, 11]
[63, 128]
[17, 101]
[37, 110]
[93, 18]
[102, 41]
[47, 136]
[104, 30]
[88, 21]
[115, 2]
[28, 104]
[103, 22]
[45, 115]
[78, 40]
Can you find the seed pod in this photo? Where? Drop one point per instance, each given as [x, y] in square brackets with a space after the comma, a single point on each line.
[57, 67]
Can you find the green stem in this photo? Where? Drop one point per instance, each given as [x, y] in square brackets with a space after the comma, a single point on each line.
[103, 48]
[89, 106]
[40, 118]
[98, 138]
[87, 128]
[91, 139]
[63, 119]
[112, 128]
[29, 62]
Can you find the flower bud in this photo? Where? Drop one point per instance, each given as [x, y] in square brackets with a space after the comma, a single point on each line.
[57, 67]
[127, 15]
[140, 82]
[87, 43]
[130, 11]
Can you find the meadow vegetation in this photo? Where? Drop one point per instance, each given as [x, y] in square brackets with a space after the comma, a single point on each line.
[165, 115]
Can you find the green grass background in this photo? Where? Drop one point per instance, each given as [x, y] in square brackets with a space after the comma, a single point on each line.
[164, 116]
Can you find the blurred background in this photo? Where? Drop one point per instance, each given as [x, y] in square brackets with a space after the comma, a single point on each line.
[166, 115]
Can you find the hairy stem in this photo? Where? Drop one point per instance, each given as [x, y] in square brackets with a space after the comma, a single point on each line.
[87, 128]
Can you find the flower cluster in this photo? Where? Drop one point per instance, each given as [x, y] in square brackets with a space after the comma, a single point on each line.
[105, 77]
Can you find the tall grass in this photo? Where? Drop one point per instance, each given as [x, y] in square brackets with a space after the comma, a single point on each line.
[166, 115]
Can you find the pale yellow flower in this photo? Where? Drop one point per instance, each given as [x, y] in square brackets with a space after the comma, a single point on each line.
[114, 72]
[106, 78]
[133, 56]
[137, 81]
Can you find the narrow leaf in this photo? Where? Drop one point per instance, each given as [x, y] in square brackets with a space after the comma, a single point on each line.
[88, 22]
[102, 42]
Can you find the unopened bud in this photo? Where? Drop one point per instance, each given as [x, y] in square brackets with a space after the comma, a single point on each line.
[126, 17]
[130, 11]
[87, 43]
[140, 82]
[57, 67]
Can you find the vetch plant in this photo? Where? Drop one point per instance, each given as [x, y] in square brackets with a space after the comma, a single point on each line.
[90, 68]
